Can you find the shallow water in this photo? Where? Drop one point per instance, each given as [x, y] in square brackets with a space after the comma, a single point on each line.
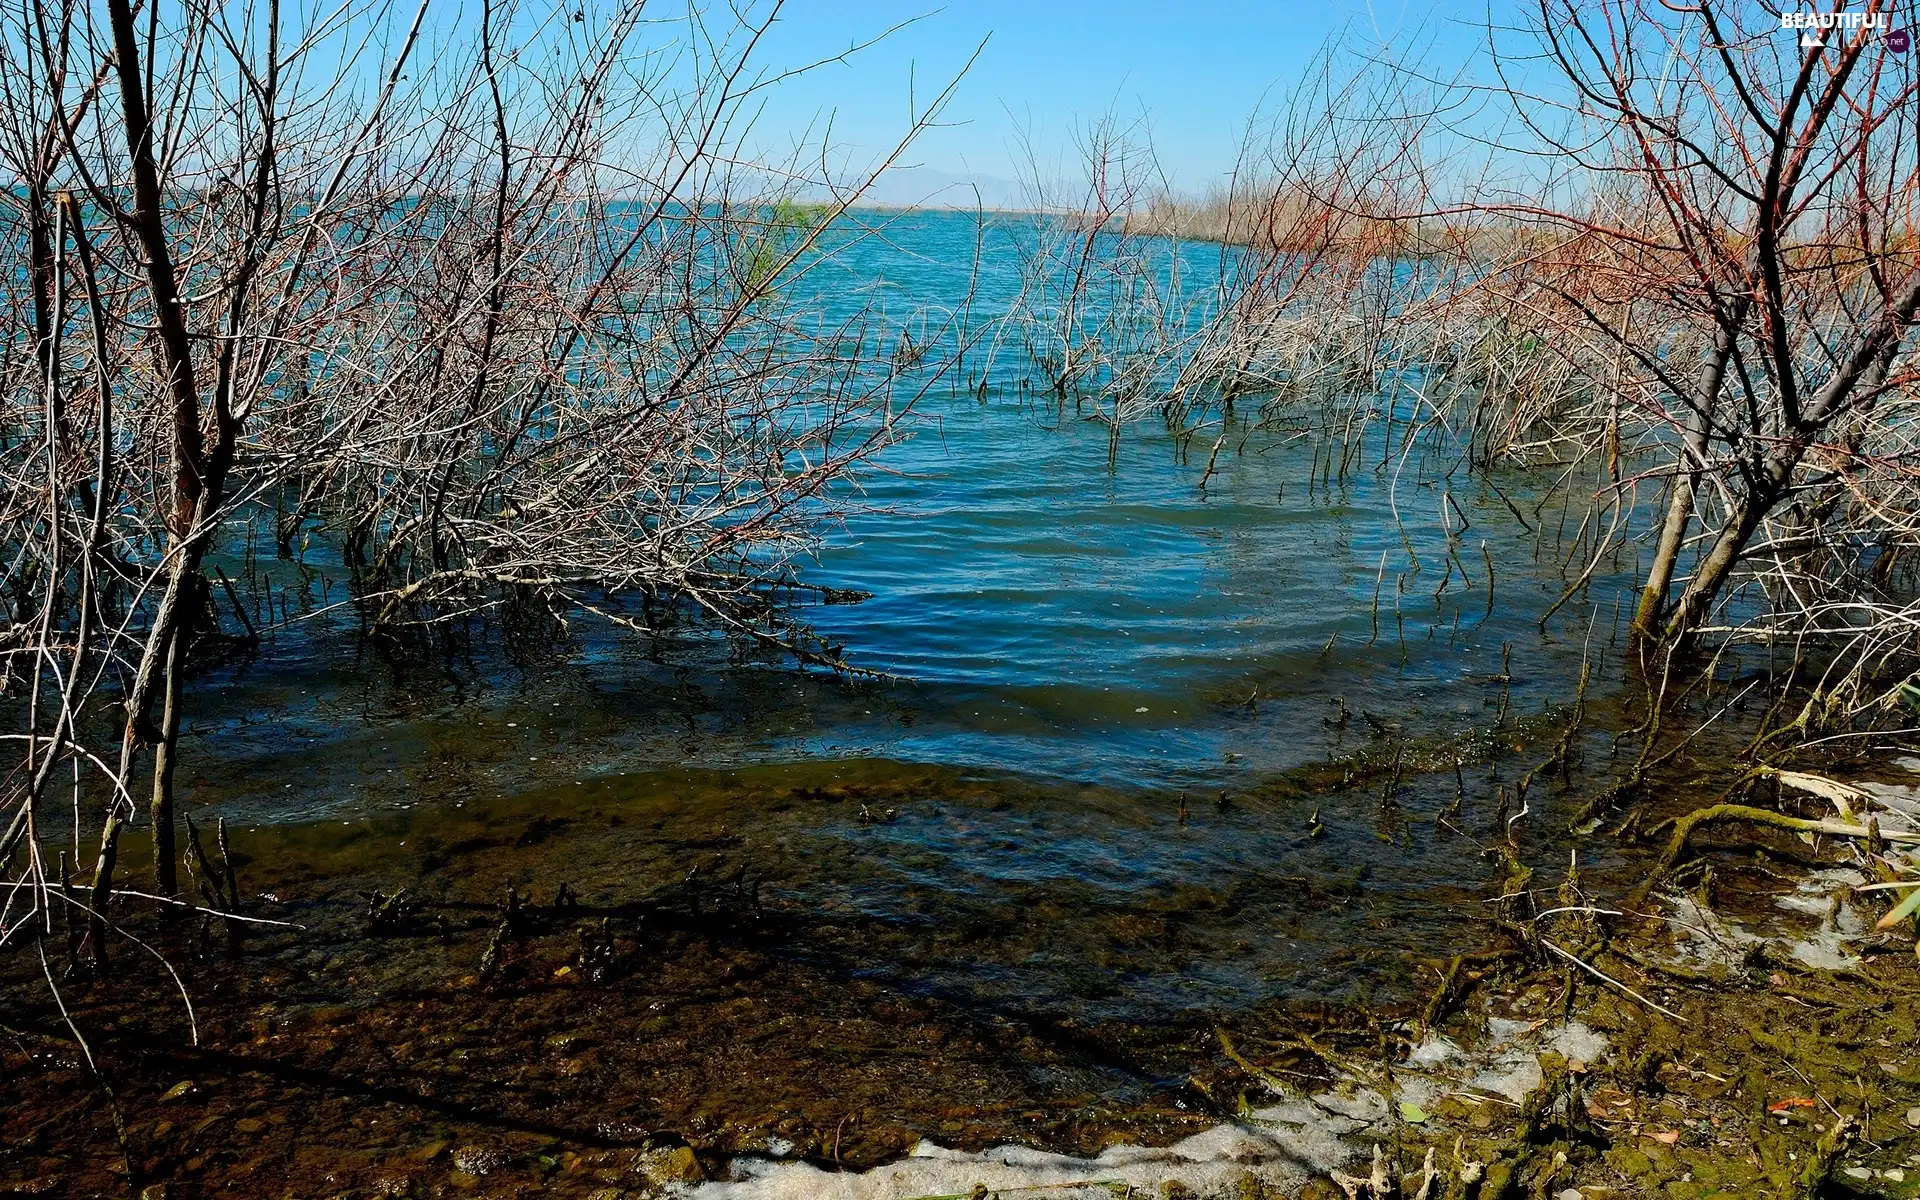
[1115, 701]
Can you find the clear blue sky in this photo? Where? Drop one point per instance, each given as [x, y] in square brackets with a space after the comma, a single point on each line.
[1198, 68]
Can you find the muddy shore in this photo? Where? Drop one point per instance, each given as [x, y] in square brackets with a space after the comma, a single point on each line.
[529, 1008]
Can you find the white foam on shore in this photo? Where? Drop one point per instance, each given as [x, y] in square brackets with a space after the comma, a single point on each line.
[1214, 1163]
[1281, 1146]
[1306, 1137]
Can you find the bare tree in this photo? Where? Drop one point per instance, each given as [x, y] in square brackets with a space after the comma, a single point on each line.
[513, 318]
[1748, 203]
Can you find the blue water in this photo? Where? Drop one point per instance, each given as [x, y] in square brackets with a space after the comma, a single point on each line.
[1071, 634]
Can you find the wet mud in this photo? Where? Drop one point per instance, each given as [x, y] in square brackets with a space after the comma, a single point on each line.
[634, 990]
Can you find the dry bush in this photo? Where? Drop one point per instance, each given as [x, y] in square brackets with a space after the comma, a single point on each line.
[505, 309]
[1738, 232]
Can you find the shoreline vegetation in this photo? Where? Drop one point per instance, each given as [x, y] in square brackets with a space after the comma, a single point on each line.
[1218, 221]
[513, 357]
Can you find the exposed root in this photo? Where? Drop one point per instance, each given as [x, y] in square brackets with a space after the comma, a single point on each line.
[1684, 826]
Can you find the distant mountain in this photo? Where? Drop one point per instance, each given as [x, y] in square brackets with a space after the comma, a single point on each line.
[926, 187]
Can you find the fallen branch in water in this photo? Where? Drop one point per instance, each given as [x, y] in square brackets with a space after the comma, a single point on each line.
[1847, 800]
[177, 903]
[1684, 826]
[1273, 1082]
[1597, 973]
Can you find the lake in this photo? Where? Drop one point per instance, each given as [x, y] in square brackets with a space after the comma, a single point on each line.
[1278, 709]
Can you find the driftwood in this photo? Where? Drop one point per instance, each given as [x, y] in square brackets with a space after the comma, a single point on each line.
[1684, 826]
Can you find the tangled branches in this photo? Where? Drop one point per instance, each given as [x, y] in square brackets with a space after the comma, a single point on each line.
[502, 311]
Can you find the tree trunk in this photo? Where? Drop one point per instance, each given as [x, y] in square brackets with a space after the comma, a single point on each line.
[165, 853]
[173, 349]
[1691, 464]
[135, 733]
[1710, 577]
[173, 355]
[103, 884]
[1673, 535]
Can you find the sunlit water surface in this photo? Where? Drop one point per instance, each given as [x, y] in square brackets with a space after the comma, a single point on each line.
[1111, 693]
